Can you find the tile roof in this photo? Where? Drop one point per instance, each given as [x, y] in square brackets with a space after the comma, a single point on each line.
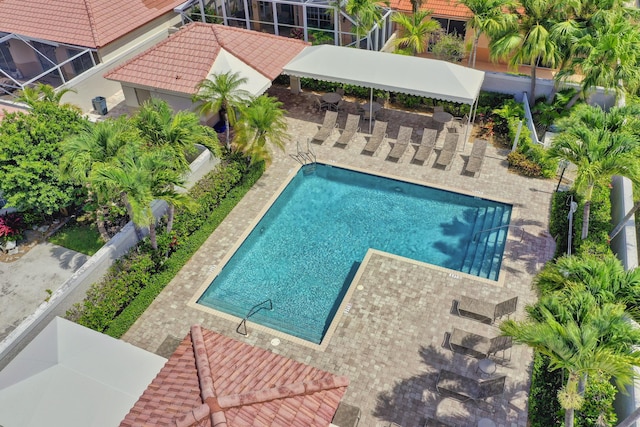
[212, 380]
[181, 61]
[440, 8]
[89, 23]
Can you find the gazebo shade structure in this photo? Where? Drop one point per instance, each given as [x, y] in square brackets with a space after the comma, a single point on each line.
[390, 72]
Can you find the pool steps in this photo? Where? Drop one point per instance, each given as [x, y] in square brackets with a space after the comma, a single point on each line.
[484, 252]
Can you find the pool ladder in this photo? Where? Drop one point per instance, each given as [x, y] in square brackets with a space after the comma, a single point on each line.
[304, 157]
[256, 308]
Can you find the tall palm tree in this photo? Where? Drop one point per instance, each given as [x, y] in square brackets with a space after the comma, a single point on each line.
[262, 122]
[599, 153]
[582, 338]
[367, 13]
[138, 177]
[529, 40]
[96, 144]
[489, 17]
[222, 94]
[42, 92]
[415, 30]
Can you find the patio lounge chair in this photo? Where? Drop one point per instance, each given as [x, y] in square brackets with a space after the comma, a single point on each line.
[476, 345]
[402, 142]
[448, 150]
[459, 387]
[377, 136]
[330, 119]
[350, 130]
[477, 156]
[483, 311]
[426, 146]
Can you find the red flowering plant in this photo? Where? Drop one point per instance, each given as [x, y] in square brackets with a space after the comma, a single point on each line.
[11, 227]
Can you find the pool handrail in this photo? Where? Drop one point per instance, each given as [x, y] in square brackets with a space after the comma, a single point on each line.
[251, 312]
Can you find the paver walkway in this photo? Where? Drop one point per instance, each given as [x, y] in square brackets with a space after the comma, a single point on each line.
[389, 340]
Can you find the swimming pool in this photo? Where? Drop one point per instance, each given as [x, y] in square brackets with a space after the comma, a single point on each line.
[304, 252]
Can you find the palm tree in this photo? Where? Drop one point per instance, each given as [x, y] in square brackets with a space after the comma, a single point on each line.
[609, 55]
[222, 94]
[603, 277]
[489, 17]
[367, 13]
[174, 133]
[599, 152]
[583, 338]
[529, 40]
[262, 123]
[42, 92]
[415, 30]
[96, 144]
[138, 177]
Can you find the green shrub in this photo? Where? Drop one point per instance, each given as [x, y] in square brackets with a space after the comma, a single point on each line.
[559, 223]
[598, 404]
[597, 241]
[544, 408]
[138, 277]
[520, 163]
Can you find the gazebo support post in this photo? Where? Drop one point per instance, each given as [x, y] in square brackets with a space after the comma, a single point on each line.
[470, 119]
[370, 109]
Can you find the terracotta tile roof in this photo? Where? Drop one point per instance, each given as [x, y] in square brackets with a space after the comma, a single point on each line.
[441, 8]
[89, 23]
[213, 380]
[181, 61]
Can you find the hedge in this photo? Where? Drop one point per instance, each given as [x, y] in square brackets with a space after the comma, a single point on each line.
[115, 303]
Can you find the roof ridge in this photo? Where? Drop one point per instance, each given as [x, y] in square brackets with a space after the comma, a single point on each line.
[92, 23]
[207, 389]
[288, 390]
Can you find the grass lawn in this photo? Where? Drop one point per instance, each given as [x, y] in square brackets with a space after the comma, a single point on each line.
[83, 238]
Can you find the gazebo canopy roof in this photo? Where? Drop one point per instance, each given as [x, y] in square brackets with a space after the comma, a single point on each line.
[385, 71]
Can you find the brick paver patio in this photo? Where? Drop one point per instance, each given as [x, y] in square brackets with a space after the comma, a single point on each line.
[389, 341]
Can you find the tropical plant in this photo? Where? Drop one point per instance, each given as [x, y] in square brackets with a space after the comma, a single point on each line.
[488, 17]
[582, 337]
[449, 47]
[609, 55]
[367, 13]
[604, 277]
[29, 158]
[42, 92]
[93, 145]
[11, 226]
[528, 40]
[415, 30]
[599, 149]
[138, 177]
[262, 122]
[223, 94]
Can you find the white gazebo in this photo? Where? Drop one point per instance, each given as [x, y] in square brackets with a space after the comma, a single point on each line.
[430, 78]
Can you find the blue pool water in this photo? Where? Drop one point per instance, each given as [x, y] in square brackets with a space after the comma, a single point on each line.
[303, 253]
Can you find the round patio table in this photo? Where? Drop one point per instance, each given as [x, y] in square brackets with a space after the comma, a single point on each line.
[442, 117]
[375, 107]
[486, 367]
[486, 422]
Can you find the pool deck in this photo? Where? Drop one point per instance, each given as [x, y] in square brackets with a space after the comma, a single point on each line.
[389, 339]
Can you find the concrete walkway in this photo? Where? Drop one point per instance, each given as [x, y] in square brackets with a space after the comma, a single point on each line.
[391, 326]
[24, 283]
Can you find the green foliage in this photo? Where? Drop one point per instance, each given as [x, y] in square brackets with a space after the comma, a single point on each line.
[598, 408]
[11, 226]
[597, 242]
[317, 37]
[489, 101]
[520, 163]
[113, 304]
[558, 222]
[544, 408]
[449, 47]
[30, 155]
[83, 238]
